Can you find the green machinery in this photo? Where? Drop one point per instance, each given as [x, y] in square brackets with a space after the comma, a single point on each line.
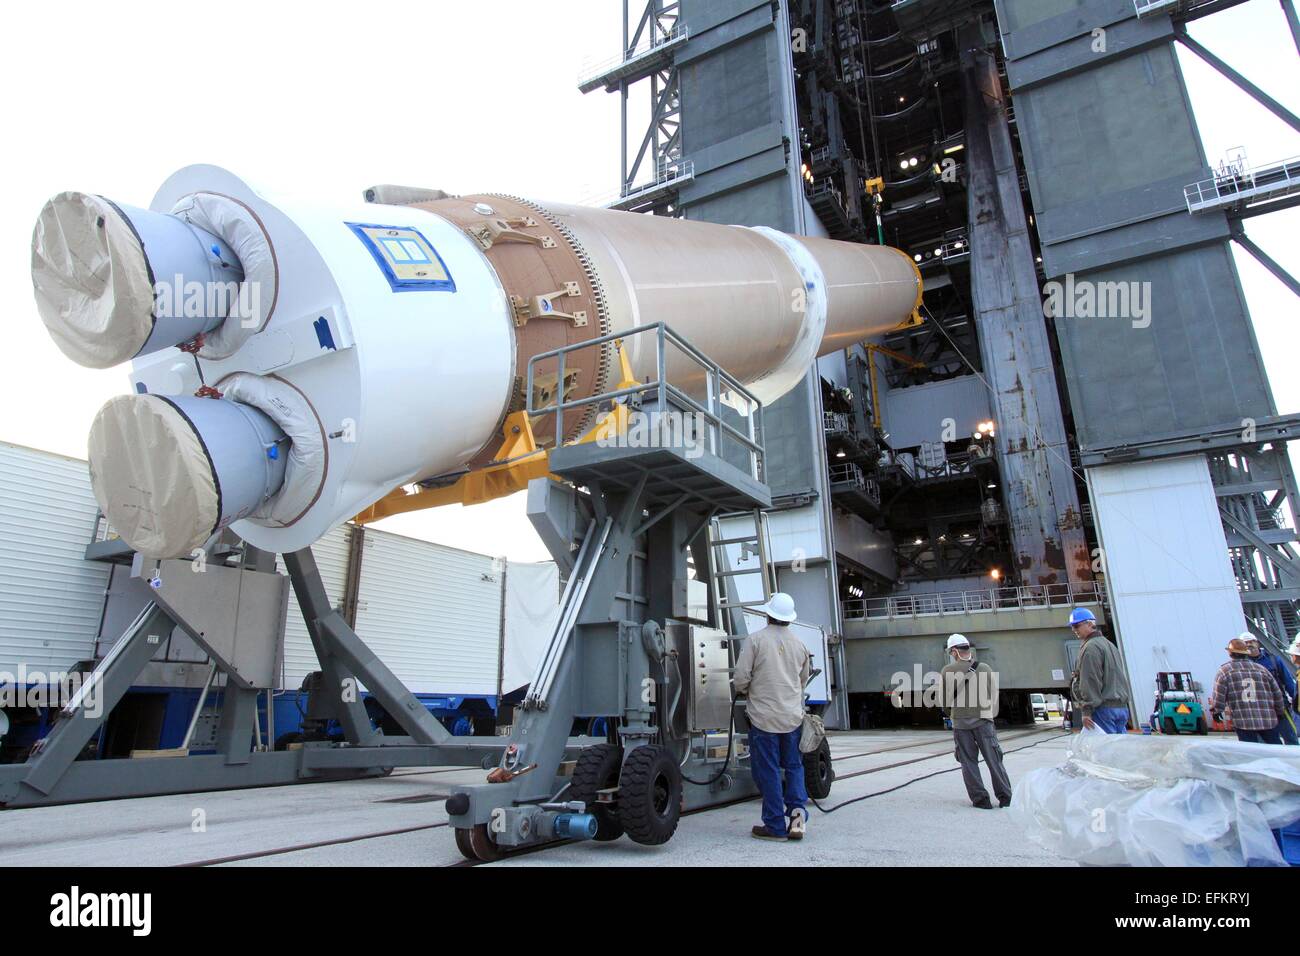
[1178, 708]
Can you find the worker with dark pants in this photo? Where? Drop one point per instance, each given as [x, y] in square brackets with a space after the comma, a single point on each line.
[1249, 695]
[1101, 690]
[970, 696]
[1285, 680]
[772, 672]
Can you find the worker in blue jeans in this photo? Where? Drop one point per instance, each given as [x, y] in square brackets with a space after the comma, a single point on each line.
[1285, 680]
[1100, 689]
[771, 672]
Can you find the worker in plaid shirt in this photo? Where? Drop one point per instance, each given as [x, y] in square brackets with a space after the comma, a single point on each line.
[1250, 695]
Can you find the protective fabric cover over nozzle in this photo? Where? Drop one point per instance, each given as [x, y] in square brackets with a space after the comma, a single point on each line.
[171, 472]
[92, 280]
[152, 477]
[114, 282]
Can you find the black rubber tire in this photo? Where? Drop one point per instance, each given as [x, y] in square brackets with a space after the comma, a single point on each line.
[1170, 727]
[650, 795]
[1202, 727]
[598, 769]
[819, 771]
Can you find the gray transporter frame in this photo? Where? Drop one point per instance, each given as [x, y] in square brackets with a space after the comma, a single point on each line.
[199, 605]
[623, 648]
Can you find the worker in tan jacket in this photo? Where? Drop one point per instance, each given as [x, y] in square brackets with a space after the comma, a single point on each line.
[970, 696]
[772, 671]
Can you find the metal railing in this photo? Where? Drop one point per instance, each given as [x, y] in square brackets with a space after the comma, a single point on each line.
[594, 70]
[837, 423]
[669, 174]
[848, 475]
[722, 391]
[984, 600]
[1148, 8]
[1234, 185]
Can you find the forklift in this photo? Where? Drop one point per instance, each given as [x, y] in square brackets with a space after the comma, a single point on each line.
[1178, 708]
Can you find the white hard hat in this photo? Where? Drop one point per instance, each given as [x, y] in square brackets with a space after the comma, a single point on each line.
[958, 640]
[1247, 636]
[1295, 645]
[779, 606]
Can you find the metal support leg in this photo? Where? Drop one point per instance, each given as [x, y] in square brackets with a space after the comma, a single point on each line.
[345, 657]
[235, 733]
[366, 667]
[315, 604]
[109, 682]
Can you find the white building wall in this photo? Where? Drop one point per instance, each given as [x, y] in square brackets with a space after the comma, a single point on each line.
[50, 596]
[431, 613]
[1171, 586]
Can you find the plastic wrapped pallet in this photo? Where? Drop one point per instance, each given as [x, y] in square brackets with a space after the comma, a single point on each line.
[1162, 801]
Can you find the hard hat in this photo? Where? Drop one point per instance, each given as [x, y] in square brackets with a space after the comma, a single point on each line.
[1295, 646]
[1081, 614]
[958, 640]
[1248, 637]
[779, 606]
[1237, 646]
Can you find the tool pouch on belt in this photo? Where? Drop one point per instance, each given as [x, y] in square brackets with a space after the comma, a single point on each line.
[811, 734]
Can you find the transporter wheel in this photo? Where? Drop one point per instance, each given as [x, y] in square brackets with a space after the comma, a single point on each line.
[1170, 727]
[650, 795]
[819, 771]
[597, 769]
[1201, 727]
[476, 844]
[463, 844]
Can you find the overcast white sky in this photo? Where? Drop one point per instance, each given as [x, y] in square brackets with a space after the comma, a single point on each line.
[327, 98]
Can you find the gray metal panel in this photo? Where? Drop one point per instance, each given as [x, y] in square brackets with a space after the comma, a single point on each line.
[331, 553]
[1117, 127]
[1031, 25]
[1107, 150]
[50, 596]
[794, 447]
[431, 613]
[858, 541]
[917, 414]
[1195, 366]
[735, 89]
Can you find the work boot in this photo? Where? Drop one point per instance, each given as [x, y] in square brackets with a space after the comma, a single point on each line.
[1003, 804]
[798, 824]
[982, 806]
[763, 833]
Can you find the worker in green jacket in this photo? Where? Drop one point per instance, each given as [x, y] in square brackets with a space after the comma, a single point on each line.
[1101, 690]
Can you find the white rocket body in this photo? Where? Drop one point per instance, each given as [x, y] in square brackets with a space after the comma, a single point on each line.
[392, 346]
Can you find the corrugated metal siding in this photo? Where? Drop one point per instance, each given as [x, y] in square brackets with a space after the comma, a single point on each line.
[50, 596]
[331, 553]
[431, 613]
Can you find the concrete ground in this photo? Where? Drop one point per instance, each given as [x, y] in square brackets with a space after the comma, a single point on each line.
[399, 820]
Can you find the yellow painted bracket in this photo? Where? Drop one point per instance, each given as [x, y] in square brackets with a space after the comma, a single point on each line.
[518, 461]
